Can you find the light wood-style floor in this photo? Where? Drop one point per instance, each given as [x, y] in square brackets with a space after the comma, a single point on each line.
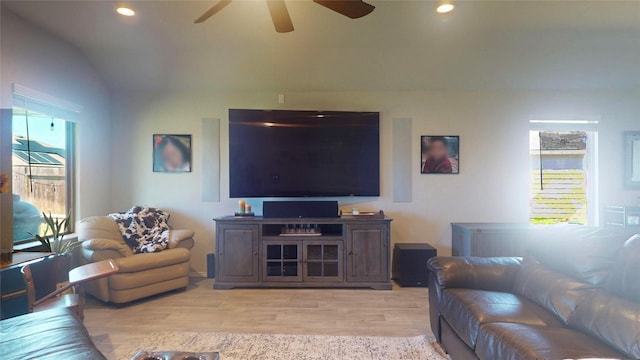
[399, 312]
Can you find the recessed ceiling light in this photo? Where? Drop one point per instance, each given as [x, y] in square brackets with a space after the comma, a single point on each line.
[445, 7]
[125, 11]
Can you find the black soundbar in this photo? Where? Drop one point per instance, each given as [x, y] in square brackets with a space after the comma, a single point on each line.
[300, 209]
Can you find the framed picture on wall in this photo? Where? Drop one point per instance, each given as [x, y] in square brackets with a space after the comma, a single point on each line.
[171, 153]
[632, 160]
[440, 154]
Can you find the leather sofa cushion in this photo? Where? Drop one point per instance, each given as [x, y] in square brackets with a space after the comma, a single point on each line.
[494, 274]
[105, 244]
[509, 341]
[466, 310]
[557, 293]
[101, 227]
[583, 253]
[132, 280]
[612, 319]
[613, 314]
[140, 262]
[623, 278]
[52, 334]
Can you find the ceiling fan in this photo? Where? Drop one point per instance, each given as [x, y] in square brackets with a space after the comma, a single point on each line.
[280, 15]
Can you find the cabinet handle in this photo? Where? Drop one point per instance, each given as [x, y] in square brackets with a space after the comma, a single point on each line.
[350, 253]
[255, 253]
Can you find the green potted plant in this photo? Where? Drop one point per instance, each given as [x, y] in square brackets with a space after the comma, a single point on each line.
[56, 243]
[54, 272]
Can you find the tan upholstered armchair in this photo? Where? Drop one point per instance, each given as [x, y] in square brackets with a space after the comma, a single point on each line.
[140, 275]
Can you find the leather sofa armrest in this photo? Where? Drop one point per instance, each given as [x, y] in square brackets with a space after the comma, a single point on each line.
[493, 274]
[181, 238]
[104, 244]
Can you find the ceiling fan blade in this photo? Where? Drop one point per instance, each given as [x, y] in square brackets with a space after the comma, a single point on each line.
[280, 16]
[353, 9]
[214, 9]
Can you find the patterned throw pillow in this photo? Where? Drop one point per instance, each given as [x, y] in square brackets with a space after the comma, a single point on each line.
[144, 229]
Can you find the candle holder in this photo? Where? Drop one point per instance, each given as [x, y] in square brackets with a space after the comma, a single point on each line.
[244, 214]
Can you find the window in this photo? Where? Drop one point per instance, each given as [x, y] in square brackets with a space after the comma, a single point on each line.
[42, 165]
[563, 172]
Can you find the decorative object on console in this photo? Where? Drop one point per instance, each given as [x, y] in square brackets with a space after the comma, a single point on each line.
[172, 153]
[244, 214]
[301, 230]
[244, 209]
[364, 215]
[632, 160]
[440, 155]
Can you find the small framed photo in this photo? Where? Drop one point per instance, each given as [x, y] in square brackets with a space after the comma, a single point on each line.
[171, 153]
[440, 154]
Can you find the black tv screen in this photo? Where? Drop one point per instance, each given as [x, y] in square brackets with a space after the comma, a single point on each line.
[278, 153]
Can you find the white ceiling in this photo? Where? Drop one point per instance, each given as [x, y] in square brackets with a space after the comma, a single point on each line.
[402, 45]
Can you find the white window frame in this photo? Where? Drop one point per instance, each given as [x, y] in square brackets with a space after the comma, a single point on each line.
[36, 101]
[590, 125]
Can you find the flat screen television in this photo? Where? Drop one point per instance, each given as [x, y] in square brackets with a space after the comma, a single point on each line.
[280, 153]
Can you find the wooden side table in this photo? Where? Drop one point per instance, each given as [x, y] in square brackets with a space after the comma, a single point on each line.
[77, 278]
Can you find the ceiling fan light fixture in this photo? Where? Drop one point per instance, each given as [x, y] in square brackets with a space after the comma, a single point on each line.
[353, 9]
[445, 7]
[125, 11]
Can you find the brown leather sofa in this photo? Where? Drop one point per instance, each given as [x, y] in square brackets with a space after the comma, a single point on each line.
[576, 297]
[46, 335]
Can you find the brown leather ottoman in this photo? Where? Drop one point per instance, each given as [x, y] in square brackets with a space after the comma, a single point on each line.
[173, 355]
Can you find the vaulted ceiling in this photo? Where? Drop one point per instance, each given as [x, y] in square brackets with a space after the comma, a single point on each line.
[401, 45]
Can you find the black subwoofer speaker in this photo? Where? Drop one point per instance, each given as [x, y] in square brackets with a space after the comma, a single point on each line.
[410, 264]
[211, 266]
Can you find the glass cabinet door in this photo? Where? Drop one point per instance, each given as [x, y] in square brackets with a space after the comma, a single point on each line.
[282, 260]
[322, 260]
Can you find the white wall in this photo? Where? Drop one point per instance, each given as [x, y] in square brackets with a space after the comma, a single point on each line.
[492, 186]
[40, 61]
